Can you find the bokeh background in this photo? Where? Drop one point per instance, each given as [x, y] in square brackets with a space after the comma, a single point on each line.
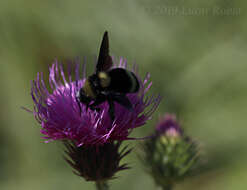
[194, 50]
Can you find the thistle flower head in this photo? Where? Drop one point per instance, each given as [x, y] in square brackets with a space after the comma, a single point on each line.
[61, 118]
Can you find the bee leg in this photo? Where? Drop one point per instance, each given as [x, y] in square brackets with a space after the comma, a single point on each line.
[111, 110]
[94, 108]
[97, 102]
[123, 100]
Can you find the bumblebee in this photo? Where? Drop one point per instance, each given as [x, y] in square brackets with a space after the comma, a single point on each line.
[107, 84]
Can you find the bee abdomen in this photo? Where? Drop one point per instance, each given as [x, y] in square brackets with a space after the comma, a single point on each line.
[135, 82]
[123, 81]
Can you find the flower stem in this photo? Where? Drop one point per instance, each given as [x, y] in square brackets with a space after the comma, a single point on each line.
[167, 188]
[101, 185]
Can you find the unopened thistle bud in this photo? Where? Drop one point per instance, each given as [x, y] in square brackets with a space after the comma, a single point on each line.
[170, 155]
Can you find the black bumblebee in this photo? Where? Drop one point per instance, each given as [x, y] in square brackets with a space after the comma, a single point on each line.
[107, 84]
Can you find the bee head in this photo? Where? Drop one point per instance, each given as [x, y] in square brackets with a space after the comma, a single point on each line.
[83, 98]
[104, 79]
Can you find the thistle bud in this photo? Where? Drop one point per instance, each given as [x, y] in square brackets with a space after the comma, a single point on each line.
[170, 155]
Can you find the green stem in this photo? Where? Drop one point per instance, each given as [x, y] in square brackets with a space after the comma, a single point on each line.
[101, 185]
[167, 187]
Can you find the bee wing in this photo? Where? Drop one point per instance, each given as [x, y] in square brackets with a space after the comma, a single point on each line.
[104, 60]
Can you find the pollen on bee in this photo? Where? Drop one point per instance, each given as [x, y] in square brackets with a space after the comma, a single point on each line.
[104, 79]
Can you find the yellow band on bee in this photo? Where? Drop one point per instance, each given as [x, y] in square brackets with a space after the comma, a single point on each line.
[88, 89]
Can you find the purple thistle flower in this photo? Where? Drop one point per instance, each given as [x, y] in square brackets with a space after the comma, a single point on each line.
[169, 126]
[59, 114]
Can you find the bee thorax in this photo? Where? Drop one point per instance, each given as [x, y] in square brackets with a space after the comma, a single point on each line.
[104, 79]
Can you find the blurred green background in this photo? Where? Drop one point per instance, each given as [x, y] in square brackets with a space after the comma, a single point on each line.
[194, 50]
